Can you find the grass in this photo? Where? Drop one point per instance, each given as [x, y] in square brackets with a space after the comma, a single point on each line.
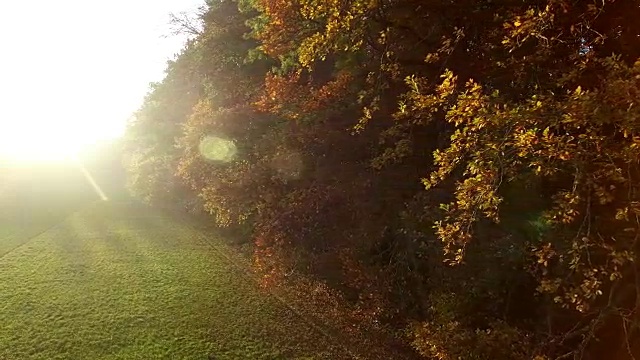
[120, 281]
[34, 199]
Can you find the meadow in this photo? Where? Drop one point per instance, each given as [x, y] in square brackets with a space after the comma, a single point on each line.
[82, 278]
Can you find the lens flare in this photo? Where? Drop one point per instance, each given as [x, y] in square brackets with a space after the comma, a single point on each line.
[93, 182]
[218, 149]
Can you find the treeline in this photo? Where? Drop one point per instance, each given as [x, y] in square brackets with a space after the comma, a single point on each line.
[461, 175]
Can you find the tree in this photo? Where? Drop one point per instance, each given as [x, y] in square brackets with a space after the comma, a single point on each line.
[434, 162]
[150, 153]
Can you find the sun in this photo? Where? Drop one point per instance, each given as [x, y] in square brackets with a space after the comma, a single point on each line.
[51, 111]
[48, 141]
[39, 148]
[61, 119]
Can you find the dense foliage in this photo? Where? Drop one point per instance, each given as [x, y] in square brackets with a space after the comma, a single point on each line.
[462, 176]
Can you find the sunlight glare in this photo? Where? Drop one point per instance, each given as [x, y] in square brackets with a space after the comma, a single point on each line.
[35, 140]
[72, 79]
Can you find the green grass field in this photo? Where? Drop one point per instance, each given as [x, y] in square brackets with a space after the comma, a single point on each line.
[116, 280]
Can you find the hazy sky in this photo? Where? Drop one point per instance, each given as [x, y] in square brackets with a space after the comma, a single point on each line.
[80, 66]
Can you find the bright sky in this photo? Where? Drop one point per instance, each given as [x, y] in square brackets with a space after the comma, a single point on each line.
[73, 71]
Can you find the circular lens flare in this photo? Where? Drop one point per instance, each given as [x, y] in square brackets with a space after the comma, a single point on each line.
[218, 149]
